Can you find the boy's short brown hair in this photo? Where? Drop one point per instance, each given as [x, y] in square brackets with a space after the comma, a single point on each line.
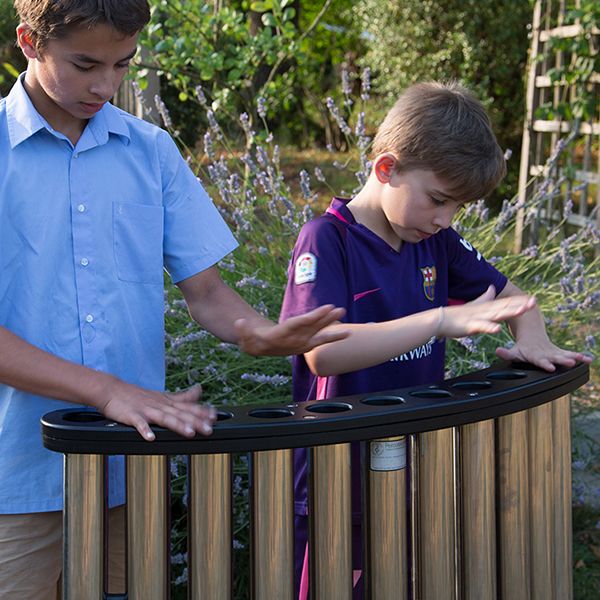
[53, 19]
[442, 127]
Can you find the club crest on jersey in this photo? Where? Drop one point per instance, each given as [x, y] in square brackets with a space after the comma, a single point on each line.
[306, 268]
[429, 277]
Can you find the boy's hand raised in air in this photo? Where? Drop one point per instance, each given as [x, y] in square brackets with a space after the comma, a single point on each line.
[296, 335]
[482, 315]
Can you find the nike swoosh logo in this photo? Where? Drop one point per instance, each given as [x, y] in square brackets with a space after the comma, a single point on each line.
[363, 294]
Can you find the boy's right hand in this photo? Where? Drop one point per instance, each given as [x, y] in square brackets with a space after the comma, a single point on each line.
[482, 315]
[178, 411]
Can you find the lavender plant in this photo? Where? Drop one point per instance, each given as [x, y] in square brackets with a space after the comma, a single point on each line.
[246, 180]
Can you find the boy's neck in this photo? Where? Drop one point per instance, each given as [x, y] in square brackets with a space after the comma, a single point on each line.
[58, 119]
[366, 209]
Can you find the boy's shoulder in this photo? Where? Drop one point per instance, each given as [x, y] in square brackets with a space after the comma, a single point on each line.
[324, 227]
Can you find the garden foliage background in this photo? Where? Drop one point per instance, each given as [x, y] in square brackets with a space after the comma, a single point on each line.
[274, 104]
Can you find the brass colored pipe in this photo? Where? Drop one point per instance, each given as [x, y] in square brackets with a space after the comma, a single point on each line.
[210, 531]
[541, 484]
[513, 507]
[386, 519]
[83, 527]
[272, 525]
[330, 546]
[147, 528]
[478, 511]
[436, 534]
[563, 553]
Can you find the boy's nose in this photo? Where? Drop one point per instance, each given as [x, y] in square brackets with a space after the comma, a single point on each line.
[104, 88]
[443, 221]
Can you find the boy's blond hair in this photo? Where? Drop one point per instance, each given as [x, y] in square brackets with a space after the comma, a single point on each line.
[442, 127]
[53, 19]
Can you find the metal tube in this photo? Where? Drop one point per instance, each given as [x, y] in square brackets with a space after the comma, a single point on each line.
[273, 525]
[210, 533]
[436, 536]
[478, 511]
[563, 553]
[386, 519]
[413, 469]
[147, 528]
[541, 485]
[513, 507]
[83, 527]
[330, 548]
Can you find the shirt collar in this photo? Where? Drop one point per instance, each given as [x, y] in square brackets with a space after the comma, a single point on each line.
[24, 120]
[339, 209]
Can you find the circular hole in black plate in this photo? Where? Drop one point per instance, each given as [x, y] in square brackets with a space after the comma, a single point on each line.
[472, 385]
[506, 375]
[329, 407]
[223, 415]
[271, 413]
[431, 393]
[83, 416]
[383, 400]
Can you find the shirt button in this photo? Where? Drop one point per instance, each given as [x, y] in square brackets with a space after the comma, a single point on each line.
[76, 155]
[85, 262]
[89, 318]
[81, 208]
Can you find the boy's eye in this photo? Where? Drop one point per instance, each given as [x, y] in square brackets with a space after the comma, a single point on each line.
[437, 201]
[123, 65]
[80, 68]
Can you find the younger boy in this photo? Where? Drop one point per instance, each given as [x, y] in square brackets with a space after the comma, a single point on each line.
[389, 256]
[93, 203]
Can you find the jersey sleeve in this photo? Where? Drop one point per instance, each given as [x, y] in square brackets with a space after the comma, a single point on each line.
[469, 274]
[317, 270]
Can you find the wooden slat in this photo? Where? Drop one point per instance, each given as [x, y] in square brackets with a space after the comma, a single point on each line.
[581, 176]
[564, 127]
[543, 81]
[565, 31]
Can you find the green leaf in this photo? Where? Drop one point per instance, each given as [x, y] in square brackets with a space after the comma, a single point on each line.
[183, 96]
[289, 14]
[262, 7]
[11, 70]
[268, 20]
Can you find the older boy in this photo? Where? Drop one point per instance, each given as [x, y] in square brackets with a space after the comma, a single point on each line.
[93, 203]
[389, 254]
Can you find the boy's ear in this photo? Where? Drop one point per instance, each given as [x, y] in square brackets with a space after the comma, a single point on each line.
[25, 41]
[384, 167]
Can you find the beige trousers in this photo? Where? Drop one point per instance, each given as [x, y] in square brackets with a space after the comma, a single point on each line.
[31, 555]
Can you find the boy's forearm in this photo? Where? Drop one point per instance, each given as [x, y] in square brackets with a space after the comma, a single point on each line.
[370, 344]
[30, 369]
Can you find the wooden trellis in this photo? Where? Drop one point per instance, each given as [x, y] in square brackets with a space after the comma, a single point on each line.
[580, 183]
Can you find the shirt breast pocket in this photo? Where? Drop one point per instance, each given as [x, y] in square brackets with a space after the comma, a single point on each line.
[138, 242]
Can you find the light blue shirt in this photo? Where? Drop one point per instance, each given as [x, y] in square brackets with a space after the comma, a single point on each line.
[84, 234]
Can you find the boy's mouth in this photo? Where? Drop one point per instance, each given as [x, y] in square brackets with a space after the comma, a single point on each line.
[91, 108]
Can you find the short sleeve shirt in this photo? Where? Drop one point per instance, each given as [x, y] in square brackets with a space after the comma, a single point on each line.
[86, 233]
[339, 261]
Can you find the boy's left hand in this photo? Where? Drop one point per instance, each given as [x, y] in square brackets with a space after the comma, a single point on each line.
[542, 353]
[296, 335]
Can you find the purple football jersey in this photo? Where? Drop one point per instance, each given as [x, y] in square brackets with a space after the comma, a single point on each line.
[341, 262]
